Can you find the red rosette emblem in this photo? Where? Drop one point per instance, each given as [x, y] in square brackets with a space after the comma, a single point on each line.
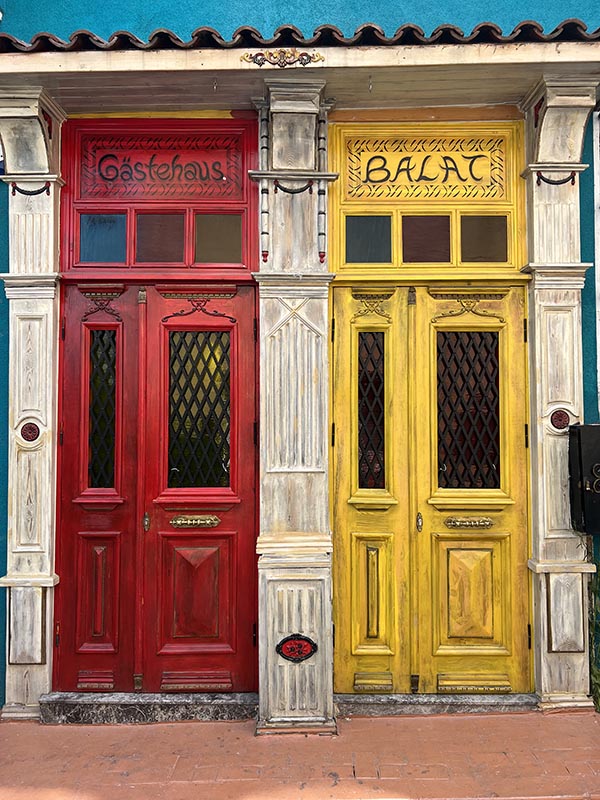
[296, 648]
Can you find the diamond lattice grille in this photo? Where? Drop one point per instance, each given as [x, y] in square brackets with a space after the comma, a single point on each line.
[199, 409]
[371, 405]
[101, 455]
[468, 410]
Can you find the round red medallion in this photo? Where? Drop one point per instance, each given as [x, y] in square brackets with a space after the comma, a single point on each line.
[296, 648]
[30, 432]
[560, 419]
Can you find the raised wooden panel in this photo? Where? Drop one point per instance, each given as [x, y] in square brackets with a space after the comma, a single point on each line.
[98, 588]
[29, 513]
[372, 593]
[295, 606]
[556, 484]
[566, 628]
[196, 589]
[30, 236]
[471, 601]
[470, 581]
[26, 635]
[31, 334]
[560, 332]
[294, 355]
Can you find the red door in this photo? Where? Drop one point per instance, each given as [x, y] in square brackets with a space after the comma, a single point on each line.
[157, 518]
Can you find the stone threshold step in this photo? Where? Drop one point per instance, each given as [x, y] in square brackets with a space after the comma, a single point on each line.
[390, 705]
[84, 708]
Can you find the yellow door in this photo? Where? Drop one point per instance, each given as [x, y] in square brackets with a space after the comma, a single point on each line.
[430, 489]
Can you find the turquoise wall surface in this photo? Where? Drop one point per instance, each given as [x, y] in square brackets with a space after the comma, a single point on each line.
[590, 375]
[25, 18]
[3, 422]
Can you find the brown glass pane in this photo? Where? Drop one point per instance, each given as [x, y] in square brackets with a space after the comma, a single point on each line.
[371, 410]
[468, 410]
[199, 408]
[218, 238]
[159, 238]
[102, 412]
[426, 239]
[483, 238]
[368, 240]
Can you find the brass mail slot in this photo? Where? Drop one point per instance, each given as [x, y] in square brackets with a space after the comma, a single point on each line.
[195, 521]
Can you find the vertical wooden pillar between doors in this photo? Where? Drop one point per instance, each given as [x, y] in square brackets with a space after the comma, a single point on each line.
[557, 113]
[30, 131]
[295, 538]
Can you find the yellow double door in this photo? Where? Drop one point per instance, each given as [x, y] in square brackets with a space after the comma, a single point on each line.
[431, 590]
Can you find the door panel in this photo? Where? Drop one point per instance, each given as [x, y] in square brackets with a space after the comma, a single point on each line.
[371, 503]
[157, 515]
[430, 490]
[472, 491]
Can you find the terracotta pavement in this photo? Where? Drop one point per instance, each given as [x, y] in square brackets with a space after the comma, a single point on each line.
[526, 755]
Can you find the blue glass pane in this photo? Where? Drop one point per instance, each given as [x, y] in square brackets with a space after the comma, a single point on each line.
[102, 238]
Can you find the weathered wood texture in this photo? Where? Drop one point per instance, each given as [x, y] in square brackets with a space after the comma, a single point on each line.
[295, 540]
[31, 163]
[555, 139]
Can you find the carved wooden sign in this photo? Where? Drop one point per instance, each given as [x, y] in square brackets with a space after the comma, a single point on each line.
[161, 166]
[427, 166]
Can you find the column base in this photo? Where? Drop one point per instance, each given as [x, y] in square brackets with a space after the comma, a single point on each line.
[322, 728]
[16, 711]
[567, 702]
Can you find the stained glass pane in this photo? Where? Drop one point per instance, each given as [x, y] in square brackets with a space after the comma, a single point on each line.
[102, 238]
[371, 408]
[159, 237]
[483, 238]
[426, 239]
[468, 410]
[369, 239]
[219, 238]
[199, 409]
[103, 360]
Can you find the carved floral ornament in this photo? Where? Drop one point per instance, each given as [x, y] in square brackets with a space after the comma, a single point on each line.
[284, 57]
[372, 303]
[469, 304]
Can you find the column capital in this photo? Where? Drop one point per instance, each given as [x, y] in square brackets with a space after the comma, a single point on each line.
[29, 122]
[559, 109]
[291, 95]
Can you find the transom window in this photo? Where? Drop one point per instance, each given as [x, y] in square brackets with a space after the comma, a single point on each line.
[154, 196]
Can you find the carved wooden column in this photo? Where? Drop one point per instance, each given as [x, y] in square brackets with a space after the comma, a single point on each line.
[30, 130]
[557, 113]
[295, 629]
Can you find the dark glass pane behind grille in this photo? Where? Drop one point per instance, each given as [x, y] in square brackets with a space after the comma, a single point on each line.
[103, 360]
[468, 410]
[371, 405]
[199, 409]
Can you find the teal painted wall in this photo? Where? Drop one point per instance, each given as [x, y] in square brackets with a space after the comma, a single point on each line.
[3, 422]
[25, 18]
[590, 374]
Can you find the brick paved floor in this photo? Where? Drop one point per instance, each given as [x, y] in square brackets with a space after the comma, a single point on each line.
[528, 755]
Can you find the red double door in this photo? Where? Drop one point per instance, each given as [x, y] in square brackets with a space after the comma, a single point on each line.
[157, 512]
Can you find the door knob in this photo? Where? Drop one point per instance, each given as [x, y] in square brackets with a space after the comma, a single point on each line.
[419, 522]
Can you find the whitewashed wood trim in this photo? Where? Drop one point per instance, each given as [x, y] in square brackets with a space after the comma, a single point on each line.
[31, 287]
[556, 381]
[295, 595]
[542, 55]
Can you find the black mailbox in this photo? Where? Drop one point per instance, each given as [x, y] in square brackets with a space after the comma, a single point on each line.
[584, 477]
